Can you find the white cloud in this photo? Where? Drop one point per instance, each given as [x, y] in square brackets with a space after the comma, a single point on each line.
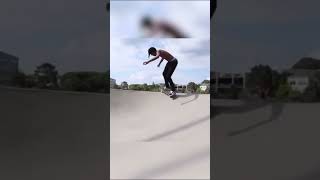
[127, 57]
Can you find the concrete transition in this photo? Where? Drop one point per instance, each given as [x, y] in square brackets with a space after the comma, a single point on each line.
[155, 137]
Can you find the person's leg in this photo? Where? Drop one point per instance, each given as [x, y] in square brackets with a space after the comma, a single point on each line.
[171, 69]
[165, 72]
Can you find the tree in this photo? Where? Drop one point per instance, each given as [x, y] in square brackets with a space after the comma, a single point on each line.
[46, 75]
[136, 87]
[145, 87]
[192, 87]
[283, 91]
[153, 87]
[260, 80]
[84, 81]
[205, 82]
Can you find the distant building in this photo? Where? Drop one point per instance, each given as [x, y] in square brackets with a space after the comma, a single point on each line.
[8, 67]
[112, 83]
[302, 72]
[204, 87]
[300, 78]
[222, 81]
[124, 85]
[179, 87]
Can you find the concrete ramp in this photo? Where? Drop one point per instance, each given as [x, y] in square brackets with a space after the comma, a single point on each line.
[155, 137]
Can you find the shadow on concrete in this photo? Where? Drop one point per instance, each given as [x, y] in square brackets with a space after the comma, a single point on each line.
[178, 129]
[250, 105]
[165, 168]
[275, 113]
[247, 106]
[188, 95]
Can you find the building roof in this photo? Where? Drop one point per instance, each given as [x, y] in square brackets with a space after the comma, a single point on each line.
[307, 63]
[302, 72]
[4, 55]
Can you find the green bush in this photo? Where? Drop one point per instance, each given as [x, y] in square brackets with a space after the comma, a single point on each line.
[199, 90]
[294, 95]
[283, 91]
[84, 81]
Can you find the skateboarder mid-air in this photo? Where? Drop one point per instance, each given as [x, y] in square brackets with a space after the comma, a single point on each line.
[168, 70]
[155, 28]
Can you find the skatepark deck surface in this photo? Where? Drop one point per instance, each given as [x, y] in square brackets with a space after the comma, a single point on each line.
[155, 137]
[52, 135]
[60, 135]
[261, 140]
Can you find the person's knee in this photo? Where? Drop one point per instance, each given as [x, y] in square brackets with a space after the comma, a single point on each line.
[166, 76]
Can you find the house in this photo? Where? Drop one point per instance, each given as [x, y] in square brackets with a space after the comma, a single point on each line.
[204, 87]
[299, 79]
[8, 67]
[301, 73]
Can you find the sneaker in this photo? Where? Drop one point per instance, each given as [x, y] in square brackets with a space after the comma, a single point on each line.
[172, 93]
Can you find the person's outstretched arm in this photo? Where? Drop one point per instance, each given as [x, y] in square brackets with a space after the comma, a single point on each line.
[152, 59]
[160, 62]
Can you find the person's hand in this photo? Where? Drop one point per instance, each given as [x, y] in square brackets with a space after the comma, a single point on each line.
[145, 63]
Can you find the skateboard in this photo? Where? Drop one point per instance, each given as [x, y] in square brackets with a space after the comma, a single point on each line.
[167, 92]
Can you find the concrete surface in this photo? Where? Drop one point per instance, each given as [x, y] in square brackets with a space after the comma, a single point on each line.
[258, 140]
[61, 135]
[53, 135]
[155, 137]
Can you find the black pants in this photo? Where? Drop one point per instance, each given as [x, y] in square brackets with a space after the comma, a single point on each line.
[167, 73]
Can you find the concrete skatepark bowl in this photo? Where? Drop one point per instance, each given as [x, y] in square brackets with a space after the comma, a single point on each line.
[265, 140]
[155, 137]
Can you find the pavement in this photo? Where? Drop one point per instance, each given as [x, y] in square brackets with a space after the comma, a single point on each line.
[261, 140]
[62, 135]
[53, 135]
[155, 137]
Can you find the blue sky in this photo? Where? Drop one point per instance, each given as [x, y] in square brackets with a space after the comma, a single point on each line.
[127, 56]
[192, 17]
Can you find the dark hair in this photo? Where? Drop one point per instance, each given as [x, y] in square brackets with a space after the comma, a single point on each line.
[146, 21]
[152, 50]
